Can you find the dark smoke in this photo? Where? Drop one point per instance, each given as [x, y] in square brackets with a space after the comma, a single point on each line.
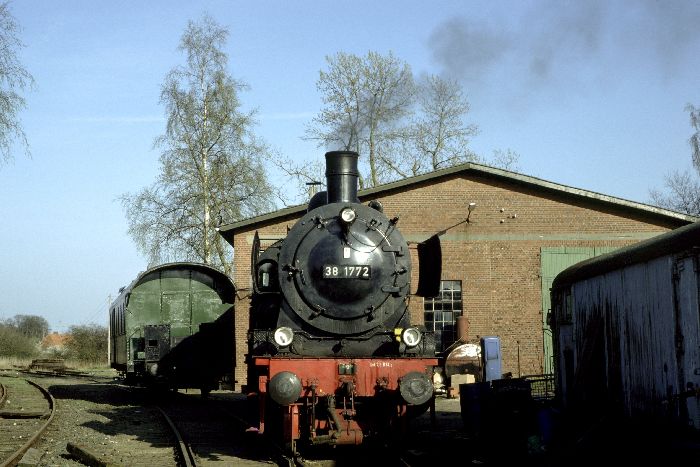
[466, 49]
[551, 41]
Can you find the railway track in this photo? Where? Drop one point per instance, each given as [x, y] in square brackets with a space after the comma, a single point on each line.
[211, 433]
[26, 410]
[100, 422]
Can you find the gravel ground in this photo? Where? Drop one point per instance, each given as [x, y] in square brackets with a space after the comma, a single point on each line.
[118, 427]
[95, 415]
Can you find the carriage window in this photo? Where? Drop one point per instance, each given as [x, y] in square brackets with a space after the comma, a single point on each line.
[564, 307]
[441, 313]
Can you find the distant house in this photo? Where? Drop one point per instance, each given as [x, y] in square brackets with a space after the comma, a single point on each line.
[54, 342]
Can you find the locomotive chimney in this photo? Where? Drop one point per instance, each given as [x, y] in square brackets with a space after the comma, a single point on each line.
[341, 176]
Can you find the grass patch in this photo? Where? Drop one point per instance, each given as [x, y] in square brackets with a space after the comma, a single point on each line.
[13, 363]
[21, 363]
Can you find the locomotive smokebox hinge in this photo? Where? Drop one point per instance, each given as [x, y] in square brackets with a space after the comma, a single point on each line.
[391, 289]
[319, 221]
[317, 311]
[373, 224]
[398, 250]
[401, 270]
[346, 234]
[291, 270]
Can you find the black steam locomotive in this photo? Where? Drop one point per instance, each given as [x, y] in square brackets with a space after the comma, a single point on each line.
[331, 347]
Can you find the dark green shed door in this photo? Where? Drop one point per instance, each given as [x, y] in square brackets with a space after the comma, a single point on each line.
[553, 261]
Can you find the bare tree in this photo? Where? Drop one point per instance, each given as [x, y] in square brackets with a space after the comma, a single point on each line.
[15, 344]
[400, 126]
[682, 189]
[14, 79]
[505, 159]
[304, 179]
[682, 193]
[366, 100]
[211, 164]
[439, 135]
[695, 137]
[32, 326]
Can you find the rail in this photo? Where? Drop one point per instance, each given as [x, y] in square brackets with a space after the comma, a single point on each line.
[16, 456]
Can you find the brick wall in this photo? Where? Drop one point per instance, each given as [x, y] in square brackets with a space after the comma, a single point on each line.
[496, 255]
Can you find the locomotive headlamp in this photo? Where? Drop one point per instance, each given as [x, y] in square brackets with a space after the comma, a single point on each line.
[411, 337]
[348, 215]
[283, 336]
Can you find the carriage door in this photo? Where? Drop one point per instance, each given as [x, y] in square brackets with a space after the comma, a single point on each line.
[686, 292]
[157, 337]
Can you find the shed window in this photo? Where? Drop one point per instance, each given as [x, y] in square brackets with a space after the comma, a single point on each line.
[441, 313]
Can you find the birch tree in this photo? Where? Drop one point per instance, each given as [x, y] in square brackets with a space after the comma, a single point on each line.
[366, 100]
[439, 135]
[400, 126]
[14, 79]
[682, 188]
[211, 170]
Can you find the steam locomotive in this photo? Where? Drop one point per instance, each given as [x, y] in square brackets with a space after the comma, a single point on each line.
[331, 347]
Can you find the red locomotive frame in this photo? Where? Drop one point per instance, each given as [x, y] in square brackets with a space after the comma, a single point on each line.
[324, 377]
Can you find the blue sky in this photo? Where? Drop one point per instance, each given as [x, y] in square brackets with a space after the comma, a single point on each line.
[590, 94]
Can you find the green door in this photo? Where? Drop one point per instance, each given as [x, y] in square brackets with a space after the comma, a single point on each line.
[553, 261]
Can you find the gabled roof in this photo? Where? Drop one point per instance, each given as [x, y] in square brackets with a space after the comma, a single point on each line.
[469, 168]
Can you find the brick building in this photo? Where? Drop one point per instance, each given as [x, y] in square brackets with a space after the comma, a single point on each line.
[497, 266]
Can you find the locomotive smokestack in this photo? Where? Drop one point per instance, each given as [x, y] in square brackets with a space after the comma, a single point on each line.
[341, 176]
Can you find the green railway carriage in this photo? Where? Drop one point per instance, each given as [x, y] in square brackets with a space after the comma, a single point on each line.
[174, 325]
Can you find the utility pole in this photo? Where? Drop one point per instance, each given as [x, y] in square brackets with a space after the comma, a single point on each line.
[109, 328]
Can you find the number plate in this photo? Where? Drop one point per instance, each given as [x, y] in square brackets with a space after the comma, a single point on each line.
[346, 271]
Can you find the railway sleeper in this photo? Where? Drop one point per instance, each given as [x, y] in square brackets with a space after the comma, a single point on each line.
[43, 414]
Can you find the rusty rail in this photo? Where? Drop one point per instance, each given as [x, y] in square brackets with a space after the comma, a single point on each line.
[17, 455]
